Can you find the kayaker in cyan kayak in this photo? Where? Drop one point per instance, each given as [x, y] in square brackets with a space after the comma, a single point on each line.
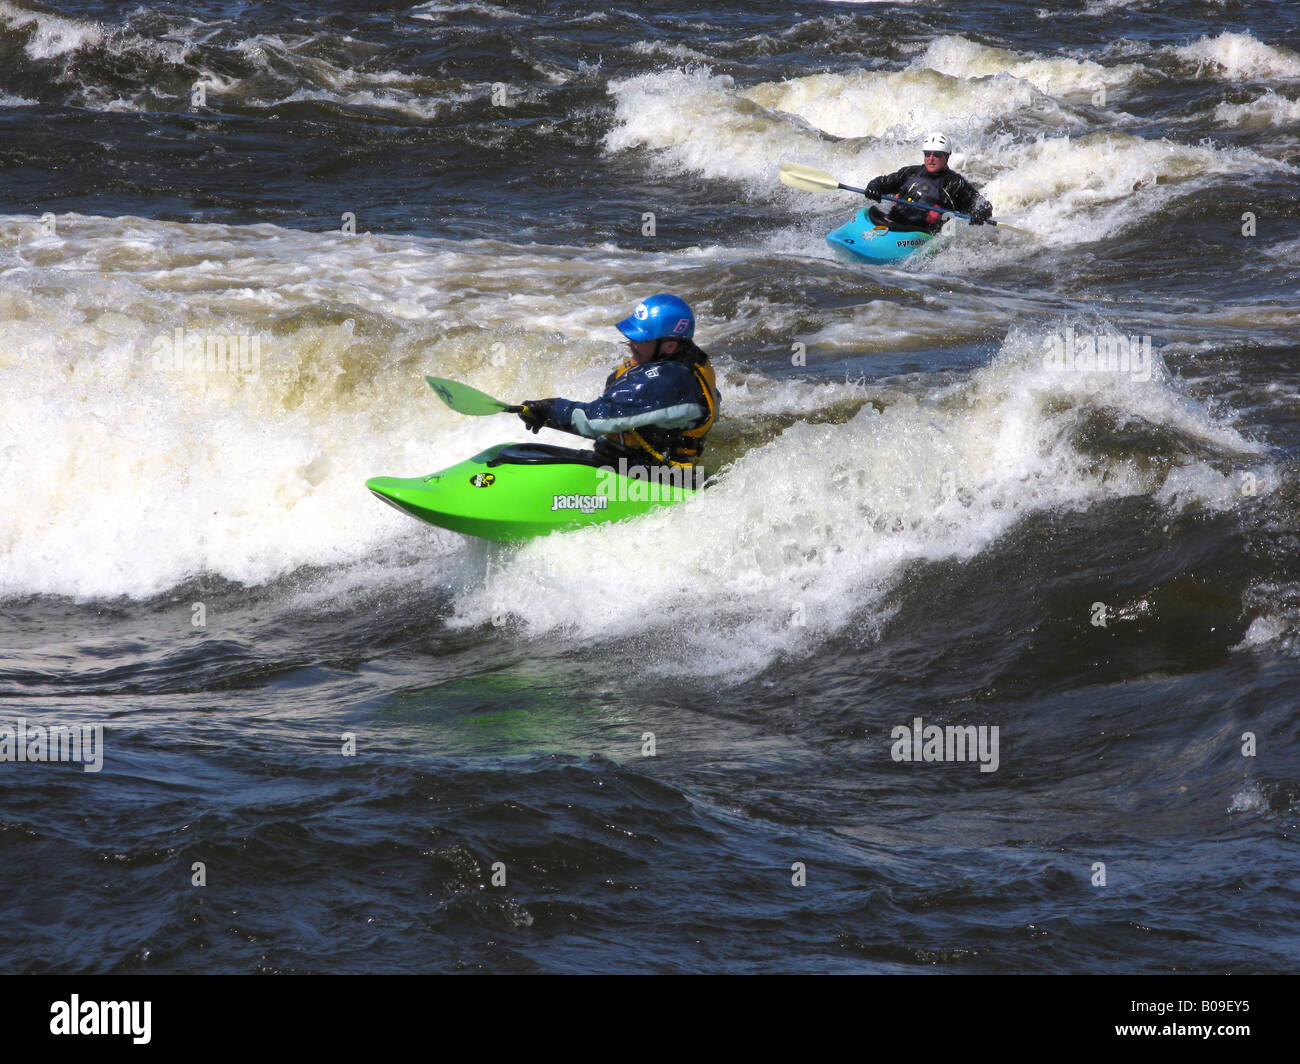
[931, 182]
[658, 405]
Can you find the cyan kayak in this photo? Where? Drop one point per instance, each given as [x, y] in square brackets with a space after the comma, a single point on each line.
[862, 240]
[516, 491]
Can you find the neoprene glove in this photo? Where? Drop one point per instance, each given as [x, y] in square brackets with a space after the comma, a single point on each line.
[873, 189]
[981, 213]
[535, 414]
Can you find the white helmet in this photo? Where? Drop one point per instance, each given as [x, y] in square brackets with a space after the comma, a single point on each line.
[937, 142]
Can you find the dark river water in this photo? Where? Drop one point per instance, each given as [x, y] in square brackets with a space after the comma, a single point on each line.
[316, 735]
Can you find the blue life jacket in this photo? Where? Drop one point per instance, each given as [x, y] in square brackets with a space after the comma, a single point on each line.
[659, 411]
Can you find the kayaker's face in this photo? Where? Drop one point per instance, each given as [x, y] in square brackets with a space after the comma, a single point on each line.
[644, 350]
[935, 161]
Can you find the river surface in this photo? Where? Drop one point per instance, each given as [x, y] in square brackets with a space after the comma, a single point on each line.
[1043, 488]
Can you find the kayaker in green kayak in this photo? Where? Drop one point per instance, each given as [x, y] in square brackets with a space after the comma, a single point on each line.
[931, 182]
[658, 406]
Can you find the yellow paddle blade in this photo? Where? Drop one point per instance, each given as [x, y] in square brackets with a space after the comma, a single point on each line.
[1015, 229]
[808, 178]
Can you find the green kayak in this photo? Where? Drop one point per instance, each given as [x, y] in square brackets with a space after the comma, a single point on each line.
[517, 491]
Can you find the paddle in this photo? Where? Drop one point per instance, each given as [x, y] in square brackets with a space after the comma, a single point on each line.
[466, 400]
[810, 179]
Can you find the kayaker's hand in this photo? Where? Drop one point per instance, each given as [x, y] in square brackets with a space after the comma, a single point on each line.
[873, 189]
[535, 414]
[981, 213]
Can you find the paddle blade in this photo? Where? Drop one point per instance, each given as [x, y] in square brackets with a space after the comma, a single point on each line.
[464, 399]
[808, 178]
[1013, 229]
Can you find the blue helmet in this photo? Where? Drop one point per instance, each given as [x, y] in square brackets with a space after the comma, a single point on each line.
[661, 317]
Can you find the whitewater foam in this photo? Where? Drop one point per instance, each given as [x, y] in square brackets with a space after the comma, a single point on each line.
[50, 35]
[135, 478]
[1056, 76]
[1237, 56]
[1068, 189]
[1270, 109]
[803, 538]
